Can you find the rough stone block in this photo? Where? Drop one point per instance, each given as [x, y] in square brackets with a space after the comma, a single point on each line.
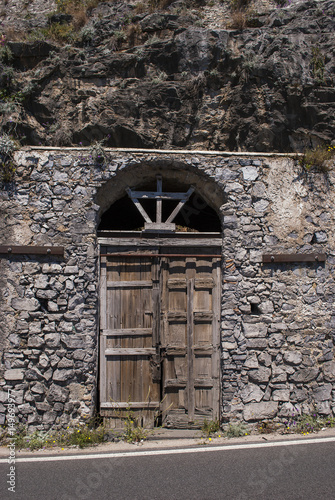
[256, 343]
[65, 363]
[329, 371]
[52, 339]
[57, 393]
[234, 187]
[62, 375]
[254, 329]
[261, 375]
[278, 374]
[51, 268]
[322, 392]
[261, 205]
[52, 306]
[323, 407]
[265, 358]
[293, 357]
[25, 409]
[25, 304]
[305, 375]
[38, 388]
[71, 270]
[77, 392]
[276, 340]
[249, 173]
[299, 395]
[66, 326]
[251, 361]
[49, 417]
[46, 294]
[288, 409]
[266, 307]
[260, 411]
[3, 396]
[281, 395]
[35, 327]
[48, 374]
[229, 345]
[79, 354]
[14, 374]
[41, 282]
[35, 341]
[74, 341]
[321, 236]
[251, 392]
[33, 374]
[43, 406]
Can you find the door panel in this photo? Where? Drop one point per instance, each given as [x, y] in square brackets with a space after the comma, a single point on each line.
[160, 337]
[128, 340]
[190, 292]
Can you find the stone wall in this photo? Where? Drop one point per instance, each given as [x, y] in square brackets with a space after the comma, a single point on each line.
[277, 319]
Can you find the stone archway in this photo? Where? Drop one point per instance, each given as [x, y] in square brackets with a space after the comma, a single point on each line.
[176, 174]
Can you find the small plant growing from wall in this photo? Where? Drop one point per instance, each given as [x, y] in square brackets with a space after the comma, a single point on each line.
[320, 158]
[97, 153]
[7, 163]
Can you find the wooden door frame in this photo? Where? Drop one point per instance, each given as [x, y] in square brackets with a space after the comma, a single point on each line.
[130, 242]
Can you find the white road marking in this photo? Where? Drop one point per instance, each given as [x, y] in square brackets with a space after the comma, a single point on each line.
[173, 451]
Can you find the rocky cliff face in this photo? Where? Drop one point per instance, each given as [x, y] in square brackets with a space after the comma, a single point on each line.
[184, 76]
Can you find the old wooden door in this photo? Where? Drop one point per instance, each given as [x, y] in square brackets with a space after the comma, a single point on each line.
[159, 336]
[189, 313]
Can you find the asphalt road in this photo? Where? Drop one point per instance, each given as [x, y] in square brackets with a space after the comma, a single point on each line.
[304, 471]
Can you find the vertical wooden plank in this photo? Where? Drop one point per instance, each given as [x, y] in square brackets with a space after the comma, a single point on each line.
[159, 200]
[190, 300]
[103, 325]
[155, 302]
[216, 393]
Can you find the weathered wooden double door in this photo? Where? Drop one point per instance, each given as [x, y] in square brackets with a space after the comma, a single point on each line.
[159, 336]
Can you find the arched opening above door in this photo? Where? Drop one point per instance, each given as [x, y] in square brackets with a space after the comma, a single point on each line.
[192, 212]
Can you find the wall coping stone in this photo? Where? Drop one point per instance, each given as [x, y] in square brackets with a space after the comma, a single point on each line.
[164, 151]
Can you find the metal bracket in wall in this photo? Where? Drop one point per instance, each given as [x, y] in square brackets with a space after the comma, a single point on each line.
[293, 257]
[30, 250]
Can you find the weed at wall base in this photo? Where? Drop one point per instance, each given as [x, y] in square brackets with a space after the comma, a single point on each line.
[211, 427]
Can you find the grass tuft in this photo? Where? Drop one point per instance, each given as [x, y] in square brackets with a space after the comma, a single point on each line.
[319, 158]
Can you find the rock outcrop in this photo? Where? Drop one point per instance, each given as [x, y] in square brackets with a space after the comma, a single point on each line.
[173, 78]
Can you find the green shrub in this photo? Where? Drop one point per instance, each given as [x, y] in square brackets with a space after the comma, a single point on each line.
[82, 436]
[236, 430]
[134, 432]
[59, 32]
[211, 427]
[308, 423]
